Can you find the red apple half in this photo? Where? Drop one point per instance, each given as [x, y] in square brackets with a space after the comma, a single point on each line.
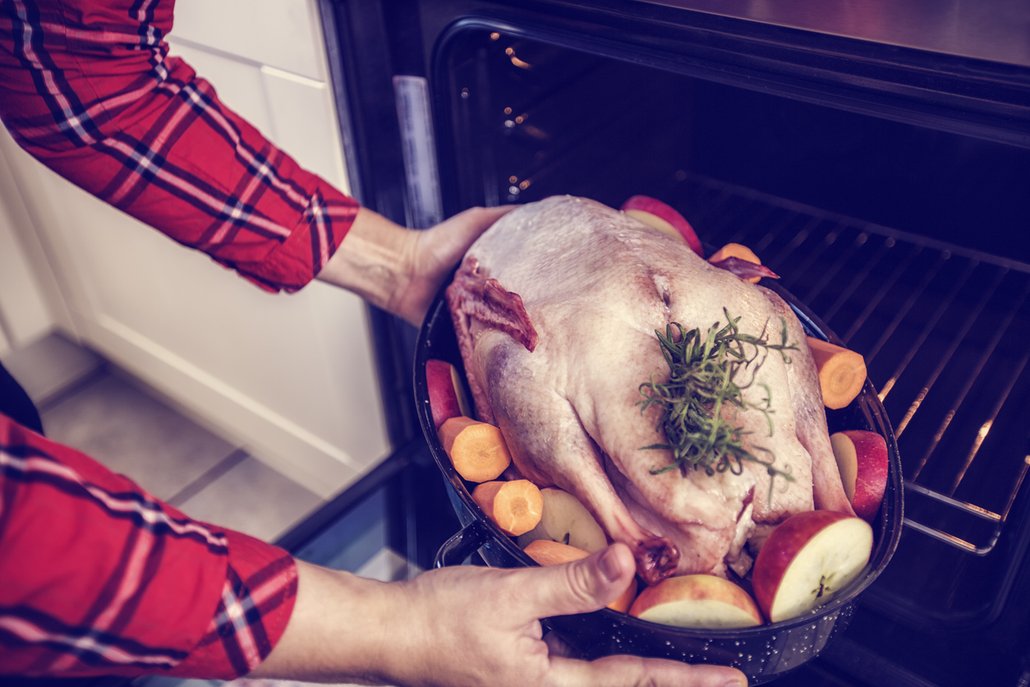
[446, 394]
[656, 214]
[698, 601]
[862, 461]
[808, 559]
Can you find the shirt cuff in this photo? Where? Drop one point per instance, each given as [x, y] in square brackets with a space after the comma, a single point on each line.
[312, 242]
[253, 610]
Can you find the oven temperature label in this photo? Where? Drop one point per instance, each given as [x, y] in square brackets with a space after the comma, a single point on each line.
[425, 207]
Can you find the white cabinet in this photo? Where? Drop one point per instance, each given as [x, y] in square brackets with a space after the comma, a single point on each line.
[25, 314]
[289, 377]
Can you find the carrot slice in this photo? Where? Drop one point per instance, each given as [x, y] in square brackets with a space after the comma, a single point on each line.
[547, 552]
[739, 251]
[477, 449]
[842, 372]
[514, 506]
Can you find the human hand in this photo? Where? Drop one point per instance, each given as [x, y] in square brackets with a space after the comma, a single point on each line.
[481, 626]
[465, 626]
[436, 251]
[400, 269]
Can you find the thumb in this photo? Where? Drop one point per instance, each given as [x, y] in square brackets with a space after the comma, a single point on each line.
[584, 585]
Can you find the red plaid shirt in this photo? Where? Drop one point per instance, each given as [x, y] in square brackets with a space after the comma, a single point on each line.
[101, 578]
[97, 577]
[88, 88]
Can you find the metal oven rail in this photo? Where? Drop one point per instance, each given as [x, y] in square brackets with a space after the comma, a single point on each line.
[943, 330]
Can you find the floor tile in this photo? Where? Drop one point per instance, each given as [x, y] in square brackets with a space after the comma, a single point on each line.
[350, 541]
[50, 365]
[135, 434]
[389, 566]
[252, 498]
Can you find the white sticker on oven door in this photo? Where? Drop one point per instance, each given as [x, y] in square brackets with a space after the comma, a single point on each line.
[425, 206]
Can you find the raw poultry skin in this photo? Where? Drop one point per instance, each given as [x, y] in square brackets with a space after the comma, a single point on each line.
[556, 307]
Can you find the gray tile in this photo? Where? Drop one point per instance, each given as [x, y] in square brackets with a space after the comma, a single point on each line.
[352, 540]
[49, 365]
[388, 566]
[252, 498]
[174, 682]
[135, 434]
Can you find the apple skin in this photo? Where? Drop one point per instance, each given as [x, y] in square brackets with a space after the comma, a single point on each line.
[446, 394]
[647, 210]
[803, 550]
[547, 552]
[697, 601]
[566, 520]
[862, 460]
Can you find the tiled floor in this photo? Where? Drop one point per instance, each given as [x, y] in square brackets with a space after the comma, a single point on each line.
[88, 404]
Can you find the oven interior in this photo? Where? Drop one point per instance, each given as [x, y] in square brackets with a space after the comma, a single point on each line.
[908, 239]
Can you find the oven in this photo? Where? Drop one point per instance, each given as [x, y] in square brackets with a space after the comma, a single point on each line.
[875, 155]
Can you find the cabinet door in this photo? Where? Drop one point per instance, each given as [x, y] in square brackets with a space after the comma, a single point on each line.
[25, 314]
[291, 378]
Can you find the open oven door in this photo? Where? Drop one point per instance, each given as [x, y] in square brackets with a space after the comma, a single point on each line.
[880, 168]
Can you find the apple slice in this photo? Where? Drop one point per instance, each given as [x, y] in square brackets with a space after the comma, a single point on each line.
[656, 214]
[862, 461]
[699, 601]
[808, 559]
[566, 520]
[446, 393]
[547, 552]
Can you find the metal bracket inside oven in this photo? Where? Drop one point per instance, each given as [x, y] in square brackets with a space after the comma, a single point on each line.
[972, 510]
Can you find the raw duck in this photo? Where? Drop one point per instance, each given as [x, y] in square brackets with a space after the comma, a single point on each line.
[556, 307]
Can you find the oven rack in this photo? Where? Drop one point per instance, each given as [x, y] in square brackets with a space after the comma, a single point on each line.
[940, 327]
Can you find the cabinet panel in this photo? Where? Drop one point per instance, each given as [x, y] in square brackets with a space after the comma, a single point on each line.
[289, 378]
[25, 313]
[281, 33]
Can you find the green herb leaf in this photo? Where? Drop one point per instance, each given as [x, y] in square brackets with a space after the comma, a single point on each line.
[707, 373]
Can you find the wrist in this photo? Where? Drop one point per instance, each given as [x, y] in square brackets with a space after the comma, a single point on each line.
[375, 260]
[343, 629]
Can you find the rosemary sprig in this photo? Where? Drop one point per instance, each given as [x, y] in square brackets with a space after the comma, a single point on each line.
[706, 374]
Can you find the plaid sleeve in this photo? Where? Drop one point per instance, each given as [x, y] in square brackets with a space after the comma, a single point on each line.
[88, 88]
[100, 578]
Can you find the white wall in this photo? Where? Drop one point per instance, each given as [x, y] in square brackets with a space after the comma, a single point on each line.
[289, 377]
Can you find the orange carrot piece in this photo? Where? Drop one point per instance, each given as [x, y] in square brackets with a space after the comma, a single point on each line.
[842, 372]
[547, 552]
[739, 251]
[477, 449]
[515, 506]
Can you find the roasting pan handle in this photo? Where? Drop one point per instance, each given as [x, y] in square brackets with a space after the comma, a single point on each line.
[461, 545]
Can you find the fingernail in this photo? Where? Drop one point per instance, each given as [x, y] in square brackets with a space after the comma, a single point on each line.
[609, 563]
[737, 682]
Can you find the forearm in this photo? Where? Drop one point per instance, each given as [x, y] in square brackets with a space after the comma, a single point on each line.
[339, 630]
[374, 261]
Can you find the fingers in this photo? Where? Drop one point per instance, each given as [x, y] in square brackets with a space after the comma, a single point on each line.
[470, 224]
[630, 671]
[485, 216]
[582, 586]
[587, 585]
[557, 647]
